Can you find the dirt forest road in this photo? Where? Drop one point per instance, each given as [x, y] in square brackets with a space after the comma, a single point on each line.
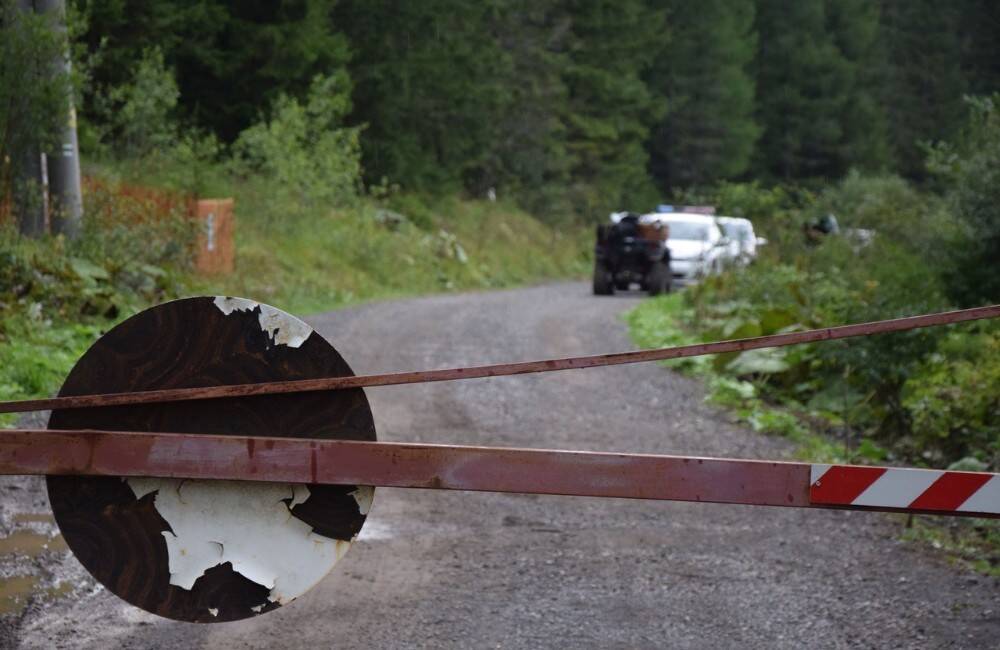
[437, 569]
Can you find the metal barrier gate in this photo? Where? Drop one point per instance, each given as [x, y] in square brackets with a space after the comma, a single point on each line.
[198, 438]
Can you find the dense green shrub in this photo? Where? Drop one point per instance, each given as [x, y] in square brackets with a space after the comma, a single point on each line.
[926, 395]
[139, 113]
[304, 149]
[971, 170]
[131, 251]
[954, 398]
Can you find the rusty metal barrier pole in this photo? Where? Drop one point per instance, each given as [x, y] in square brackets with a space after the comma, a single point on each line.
[495, 469]
[506, 369]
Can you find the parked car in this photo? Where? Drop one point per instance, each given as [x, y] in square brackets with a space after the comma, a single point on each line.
[630, 250]
[696, 244]
[743, 242]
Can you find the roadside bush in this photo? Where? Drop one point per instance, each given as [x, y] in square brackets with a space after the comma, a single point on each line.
[971, 170]
[879, 391]
[954, 399]
[140, 113]
[132, 250]
[303, 149]
[896, 212]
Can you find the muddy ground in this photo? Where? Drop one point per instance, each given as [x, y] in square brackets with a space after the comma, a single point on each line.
[458, 570]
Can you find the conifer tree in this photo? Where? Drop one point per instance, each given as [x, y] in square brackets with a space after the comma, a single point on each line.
[610, 109]
[854, 27]
[803, 85]
[924, 85]
[427, 87]
[710, 129]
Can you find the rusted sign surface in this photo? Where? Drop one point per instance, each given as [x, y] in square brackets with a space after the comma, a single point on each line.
[174, 547]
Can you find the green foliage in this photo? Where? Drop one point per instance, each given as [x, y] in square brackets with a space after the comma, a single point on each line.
[954, 398]
[922, 77]
[34, 100]
[574, 108]
[140, 111]
[854, 26]
[308, 260]
[125, 256]
[428, 84]
[918, 221]
[527, 155]
[979, 20]
[231, 59]
[657, 324]
[970, 543]
[34, 357]
[971, 168]
[926, 396]
[57, 295]
[803, 83]
[709, 131]
[303, 149]
[610, 109]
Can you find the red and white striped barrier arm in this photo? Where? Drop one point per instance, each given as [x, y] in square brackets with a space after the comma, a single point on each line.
[906, 489]
[495, 469]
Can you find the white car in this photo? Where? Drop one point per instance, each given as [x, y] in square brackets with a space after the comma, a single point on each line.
[697, 245]
[743, 242]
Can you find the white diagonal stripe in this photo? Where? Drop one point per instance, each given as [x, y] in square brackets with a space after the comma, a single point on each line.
[816, 471]
[985, 499]
[897, 488]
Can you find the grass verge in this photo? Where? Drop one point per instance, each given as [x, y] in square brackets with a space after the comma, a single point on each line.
[56, 299]
[663, 321]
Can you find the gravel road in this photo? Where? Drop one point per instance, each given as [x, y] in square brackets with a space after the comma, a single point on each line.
[458, 570]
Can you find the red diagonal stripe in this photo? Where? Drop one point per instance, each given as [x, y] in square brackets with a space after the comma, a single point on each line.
[843, 484]
[950, 491]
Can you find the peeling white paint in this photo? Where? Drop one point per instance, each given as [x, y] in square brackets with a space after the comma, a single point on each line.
[245, 523]
[283, 328]
[214, 611]
[257, 608]
[228, 305]
[364, 494]
[300, 494]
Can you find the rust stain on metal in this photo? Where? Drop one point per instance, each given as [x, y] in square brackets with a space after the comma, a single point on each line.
[506, 369]
[407, 465]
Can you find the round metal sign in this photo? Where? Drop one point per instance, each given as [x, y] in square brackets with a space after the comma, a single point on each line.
[211, 551]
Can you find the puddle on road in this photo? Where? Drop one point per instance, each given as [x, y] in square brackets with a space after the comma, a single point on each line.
[34, 518]
[16, 591]
[26, 542]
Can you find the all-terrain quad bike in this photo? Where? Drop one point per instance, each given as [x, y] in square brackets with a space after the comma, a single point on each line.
[630, 251]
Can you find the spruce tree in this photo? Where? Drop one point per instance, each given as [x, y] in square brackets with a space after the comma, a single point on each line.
[427, 88]
[231, 59]
[610, 109]
[803, 89]
[527, 157]
[980, 29]
[854, 27]
[924, 87]
[710, 129]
